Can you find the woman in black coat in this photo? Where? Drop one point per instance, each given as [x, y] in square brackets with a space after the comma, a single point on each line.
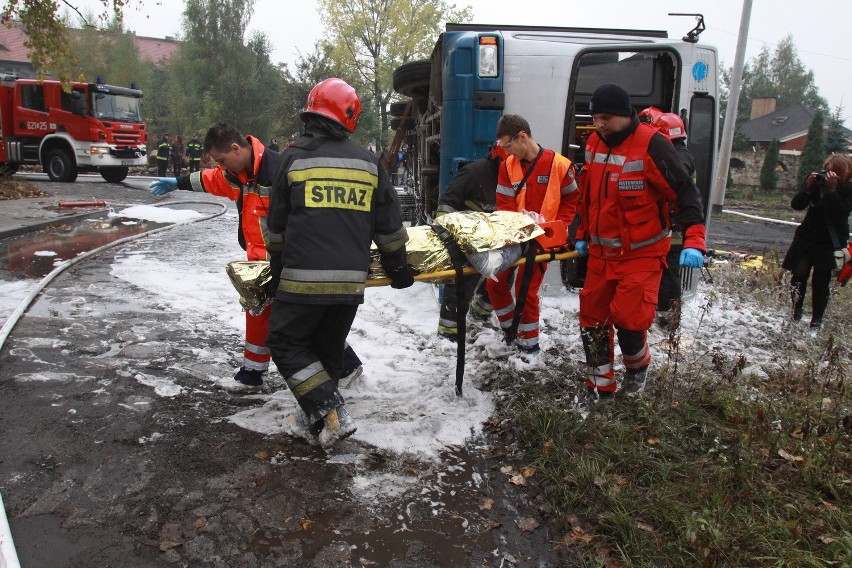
[827, 196]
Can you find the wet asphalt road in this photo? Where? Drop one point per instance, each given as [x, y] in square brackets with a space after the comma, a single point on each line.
[96, 470]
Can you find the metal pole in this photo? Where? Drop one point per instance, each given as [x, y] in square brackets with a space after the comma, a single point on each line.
[717, 194]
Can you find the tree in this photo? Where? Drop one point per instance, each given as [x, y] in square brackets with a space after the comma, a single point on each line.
[47, 37]
[813, 153]
[218, 75]
[778, 74]
[122, 67]
[371, 38]
[835, 135]
[768, 175]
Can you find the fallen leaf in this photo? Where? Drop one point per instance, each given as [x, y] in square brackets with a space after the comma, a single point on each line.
[798, 434]
[510, 558]
[507, 469]
[168, 545]
[580, 535]
[200, 522]
[790, 457]
[644, 526]
[365, 562]
[528, 471]
[825, 539]
[828, 505]
[620, 479]
[518, 480]
[600, 481]
[493, 525]
[262, 455]
[652, 441]
[306, 524]
[547, 447]
[527, 524]
[486, 504]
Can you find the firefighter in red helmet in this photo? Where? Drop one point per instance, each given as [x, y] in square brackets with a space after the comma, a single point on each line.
[672, 127]
[330, 198]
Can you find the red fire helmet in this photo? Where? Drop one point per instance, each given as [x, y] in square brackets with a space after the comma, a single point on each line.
[670, 125]
[335, 99]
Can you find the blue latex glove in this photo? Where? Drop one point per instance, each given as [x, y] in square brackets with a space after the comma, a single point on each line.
[163, 186]
[582, 248]
[691, 258]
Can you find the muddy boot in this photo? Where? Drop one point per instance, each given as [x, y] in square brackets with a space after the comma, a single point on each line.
[338, 425]
[634, 382]
[300, 426]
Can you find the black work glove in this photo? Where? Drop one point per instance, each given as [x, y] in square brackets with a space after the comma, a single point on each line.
[401, 277]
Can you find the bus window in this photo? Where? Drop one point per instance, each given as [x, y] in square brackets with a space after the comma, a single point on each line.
[701, 134]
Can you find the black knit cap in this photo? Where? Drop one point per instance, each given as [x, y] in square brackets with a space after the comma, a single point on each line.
[610, 99]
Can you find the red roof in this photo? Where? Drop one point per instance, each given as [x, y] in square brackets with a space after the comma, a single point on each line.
[150, 48]
[155, 49]
[12, 44]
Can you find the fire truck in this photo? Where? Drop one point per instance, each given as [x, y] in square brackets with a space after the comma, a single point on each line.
[91, 127]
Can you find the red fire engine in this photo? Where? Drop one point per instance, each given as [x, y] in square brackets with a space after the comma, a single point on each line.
[91, 128]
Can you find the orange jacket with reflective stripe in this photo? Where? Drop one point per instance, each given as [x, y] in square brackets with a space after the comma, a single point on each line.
[557, 202]
[254, 188]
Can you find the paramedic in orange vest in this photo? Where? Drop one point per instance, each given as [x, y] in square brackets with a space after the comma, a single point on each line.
[632, 178]
[244, 174]
[535, 179]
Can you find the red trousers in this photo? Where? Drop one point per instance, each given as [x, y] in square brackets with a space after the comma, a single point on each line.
[255, 353]
[618, 295]
[503, 301]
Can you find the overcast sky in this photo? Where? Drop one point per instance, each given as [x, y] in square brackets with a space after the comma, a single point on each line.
[821, 35]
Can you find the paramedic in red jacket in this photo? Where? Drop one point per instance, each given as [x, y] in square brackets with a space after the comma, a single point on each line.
[631, 178]
[537, 179]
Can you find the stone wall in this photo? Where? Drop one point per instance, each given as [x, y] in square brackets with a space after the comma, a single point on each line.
[745, 169]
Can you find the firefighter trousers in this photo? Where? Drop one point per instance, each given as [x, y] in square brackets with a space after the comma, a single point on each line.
[617, 296]
[307, 343]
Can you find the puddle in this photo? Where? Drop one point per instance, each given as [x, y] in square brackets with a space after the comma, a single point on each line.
[35, 255]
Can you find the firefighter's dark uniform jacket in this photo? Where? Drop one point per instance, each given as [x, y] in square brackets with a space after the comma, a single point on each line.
[193, 149]
[625, 188]
[473, 188]
[164, 150]
[331, 198]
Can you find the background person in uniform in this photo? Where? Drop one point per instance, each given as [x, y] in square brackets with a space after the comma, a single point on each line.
[330, 199]
[164, 151]
[193, 153]
[472, 189]
[827, 196]
[631, 178]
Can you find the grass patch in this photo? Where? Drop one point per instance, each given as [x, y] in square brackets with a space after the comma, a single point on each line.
[715, 465]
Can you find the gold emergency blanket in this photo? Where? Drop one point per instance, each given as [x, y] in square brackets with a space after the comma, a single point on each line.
[474, 231]
[250, 278]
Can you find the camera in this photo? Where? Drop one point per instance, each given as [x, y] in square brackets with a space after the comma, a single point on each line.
[822, 175]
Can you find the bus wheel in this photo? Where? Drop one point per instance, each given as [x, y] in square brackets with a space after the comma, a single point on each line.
[114, 174]
[60, 167]
[412, 80]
